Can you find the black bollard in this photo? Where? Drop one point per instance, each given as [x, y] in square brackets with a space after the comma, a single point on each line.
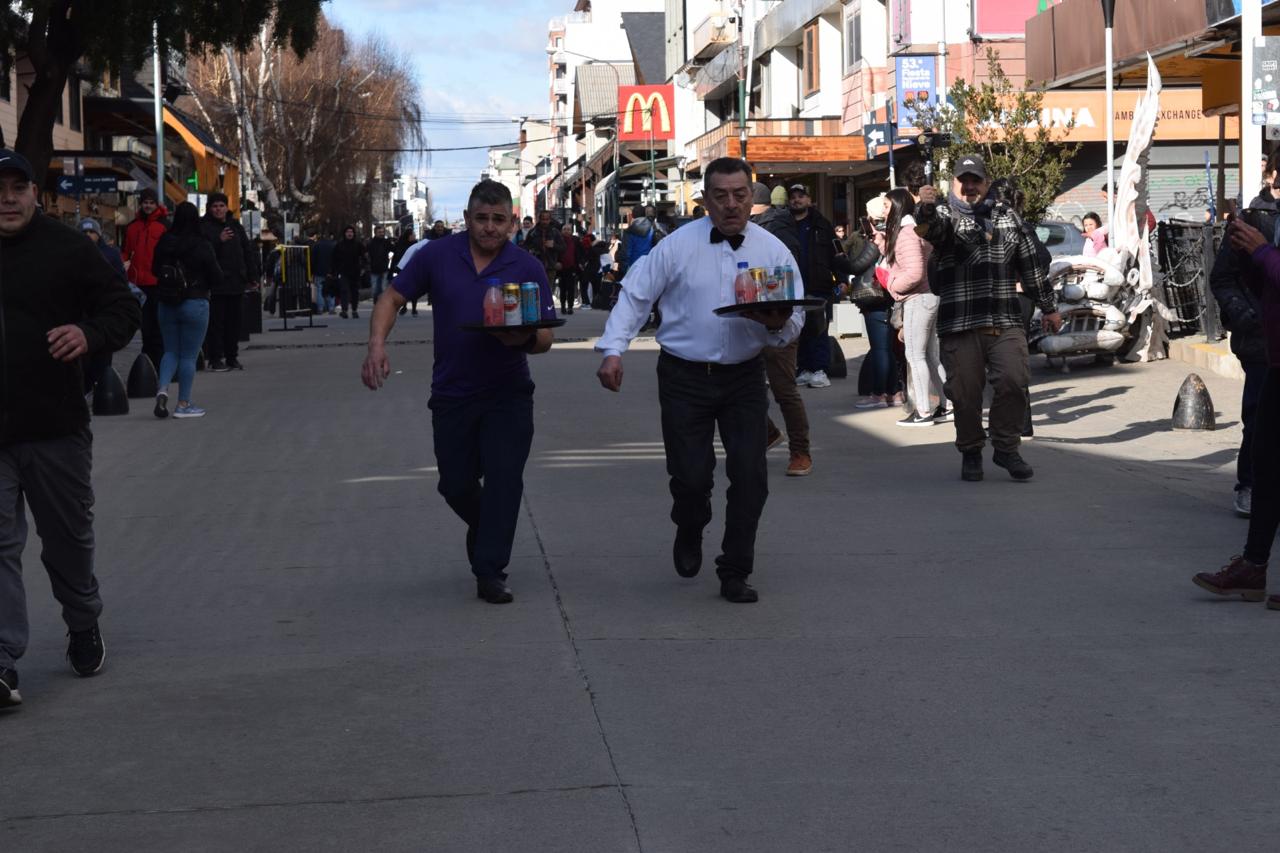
[1193, 409]
[199, 360]
[838, 368]
[142, 381]
[109, 397]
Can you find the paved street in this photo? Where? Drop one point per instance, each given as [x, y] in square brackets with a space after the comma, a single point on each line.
[297, 660]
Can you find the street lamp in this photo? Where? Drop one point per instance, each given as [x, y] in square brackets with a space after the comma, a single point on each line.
[1108, 20]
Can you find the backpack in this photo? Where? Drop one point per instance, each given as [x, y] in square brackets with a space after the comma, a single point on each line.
[172, 285]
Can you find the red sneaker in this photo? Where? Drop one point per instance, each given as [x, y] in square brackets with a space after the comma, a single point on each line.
[1239, 577]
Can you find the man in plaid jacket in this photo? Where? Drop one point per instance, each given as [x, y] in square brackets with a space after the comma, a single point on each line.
[982, 254]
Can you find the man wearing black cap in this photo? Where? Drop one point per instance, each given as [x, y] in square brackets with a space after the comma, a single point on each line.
[140, 240]
[982, 253]
[239, 264]
[819, 264]
[60, 301]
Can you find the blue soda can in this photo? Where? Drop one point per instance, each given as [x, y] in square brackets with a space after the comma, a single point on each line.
[529, 296]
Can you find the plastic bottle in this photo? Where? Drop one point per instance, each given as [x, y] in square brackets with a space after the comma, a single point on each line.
[493, 310]
[744, 286]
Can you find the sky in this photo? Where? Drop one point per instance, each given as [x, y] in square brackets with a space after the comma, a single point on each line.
[481, 62]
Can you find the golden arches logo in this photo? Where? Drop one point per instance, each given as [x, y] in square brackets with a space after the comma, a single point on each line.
[647, 105]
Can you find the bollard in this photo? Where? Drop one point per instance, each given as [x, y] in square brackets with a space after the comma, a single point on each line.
[200, 359]
[1193, 409]
[838, 368]
[109, 397]
[142, 381]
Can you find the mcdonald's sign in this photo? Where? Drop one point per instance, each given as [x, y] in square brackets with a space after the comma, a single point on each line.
[646, 112]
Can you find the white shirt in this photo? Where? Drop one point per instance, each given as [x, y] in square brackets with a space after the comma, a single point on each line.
[693, 276]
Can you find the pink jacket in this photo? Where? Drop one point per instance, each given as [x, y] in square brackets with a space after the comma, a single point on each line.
[908, 274]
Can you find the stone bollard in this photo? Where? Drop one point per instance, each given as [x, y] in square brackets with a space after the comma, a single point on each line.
[142, 381]
[1194, 408]
[109, 397]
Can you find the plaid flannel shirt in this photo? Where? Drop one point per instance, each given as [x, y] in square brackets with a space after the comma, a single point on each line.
[977, 274]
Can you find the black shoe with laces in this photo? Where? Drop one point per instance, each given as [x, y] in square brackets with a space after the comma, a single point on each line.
[1013, 462]
[915, 419]
[686, 553]
[738, 591]
[162, 405]
[217, 365]
[86, 652]
[234, 364]
[971, 466]
[493, 590]
[9, 696]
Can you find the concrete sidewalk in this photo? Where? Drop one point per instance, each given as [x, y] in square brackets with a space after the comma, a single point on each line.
[297, 660]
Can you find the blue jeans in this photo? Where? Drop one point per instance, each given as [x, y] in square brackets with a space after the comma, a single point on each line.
[883, 366]
[182, 327]
[378, 283]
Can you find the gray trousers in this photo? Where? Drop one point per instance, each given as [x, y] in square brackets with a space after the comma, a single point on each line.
[52, 476]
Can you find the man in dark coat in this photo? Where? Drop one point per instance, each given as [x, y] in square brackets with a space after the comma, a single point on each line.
[379, 249]
[349, 260]
[545, 243]
[240, 266]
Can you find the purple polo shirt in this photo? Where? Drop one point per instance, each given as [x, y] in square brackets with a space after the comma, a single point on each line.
[469, 363]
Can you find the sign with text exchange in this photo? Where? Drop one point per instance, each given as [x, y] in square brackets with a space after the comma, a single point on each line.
[646, 112]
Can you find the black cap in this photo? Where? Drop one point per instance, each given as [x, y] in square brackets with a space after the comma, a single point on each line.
[797, 188]
[13, 161]
[971, 164]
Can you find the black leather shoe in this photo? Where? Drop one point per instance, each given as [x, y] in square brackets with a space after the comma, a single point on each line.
[687, 552]
[494, 591]
[971, 466]
[1014, 464]
[738, 591]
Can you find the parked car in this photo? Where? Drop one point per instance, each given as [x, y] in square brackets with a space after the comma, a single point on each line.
[1060, 238]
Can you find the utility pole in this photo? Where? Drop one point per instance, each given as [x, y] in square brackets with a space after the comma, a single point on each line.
[155, 61]
[1250, 138]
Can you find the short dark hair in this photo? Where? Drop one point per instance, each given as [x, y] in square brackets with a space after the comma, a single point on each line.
[489, 192]
[726, 166]
[637, 210]
[911, 176]
[218, 197]
[148, 194]
[1091, 215]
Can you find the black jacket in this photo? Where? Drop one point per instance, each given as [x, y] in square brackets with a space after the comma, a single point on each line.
[52, 275]
[236, 257]
[379, 255]
[198, 262]
[1238, 306]
[346, 258]
[781, 224]
[824, 264]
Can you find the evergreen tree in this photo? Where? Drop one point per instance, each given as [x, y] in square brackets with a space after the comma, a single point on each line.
[55, 35]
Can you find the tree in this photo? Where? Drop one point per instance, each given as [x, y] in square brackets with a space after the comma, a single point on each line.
[57, 34]
[312, 133]
[1007, 126]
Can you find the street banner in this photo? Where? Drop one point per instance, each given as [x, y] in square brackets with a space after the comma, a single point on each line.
[1005, 18]
[916, 83]
[646, 112]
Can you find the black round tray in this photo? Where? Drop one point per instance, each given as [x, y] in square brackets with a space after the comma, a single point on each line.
[541, 324]
[812, 304]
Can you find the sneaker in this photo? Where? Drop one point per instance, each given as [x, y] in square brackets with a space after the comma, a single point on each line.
[234, 364]
[915, 419]
[9, 695]
[403, 310]
[162, 405]
[86, 652]
[1014, 464]
[355, 315]
[342, 314]
[1243, 503]
[943, 415]
[218, 366]
[188, 411]
[971, 466]
[819, 380]
[1238, 577]
[872, 402]
[804, 377]
[801, 465]
[774, 438]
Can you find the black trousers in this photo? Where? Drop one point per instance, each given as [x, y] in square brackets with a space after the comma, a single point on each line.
[222, 341]
[1264, 516]
[482, 443]
[1255, 377]
[349, 293]
[152, 341]
[696, 399]
[568, 289]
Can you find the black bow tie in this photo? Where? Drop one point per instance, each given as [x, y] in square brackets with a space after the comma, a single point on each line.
[734, 240]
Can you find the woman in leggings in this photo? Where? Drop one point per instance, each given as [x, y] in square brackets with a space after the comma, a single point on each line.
[907, 256]
[1246, 574]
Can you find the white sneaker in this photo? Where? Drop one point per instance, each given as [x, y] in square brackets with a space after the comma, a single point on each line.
[819, 380]
[803, 378]
[1243, 504]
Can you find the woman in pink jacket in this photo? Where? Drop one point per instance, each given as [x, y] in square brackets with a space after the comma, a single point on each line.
[907, 256]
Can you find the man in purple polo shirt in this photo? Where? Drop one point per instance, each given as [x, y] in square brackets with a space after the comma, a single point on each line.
[481, 391]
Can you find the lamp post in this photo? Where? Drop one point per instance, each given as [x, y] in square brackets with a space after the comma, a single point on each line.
[159, 109]
[1108, 20]
[617, 79]
[1250, 139]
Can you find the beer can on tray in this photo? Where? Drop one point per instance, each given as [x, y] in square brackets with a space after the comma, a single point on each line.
[530, 293]
[511, 304]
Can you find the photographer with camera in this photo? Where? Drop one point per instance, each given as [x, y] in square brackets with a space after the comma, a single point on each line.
[982, 254]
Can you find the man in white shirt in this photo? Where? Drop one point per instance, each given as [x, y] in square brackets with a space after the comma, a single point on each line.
[710, 371]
